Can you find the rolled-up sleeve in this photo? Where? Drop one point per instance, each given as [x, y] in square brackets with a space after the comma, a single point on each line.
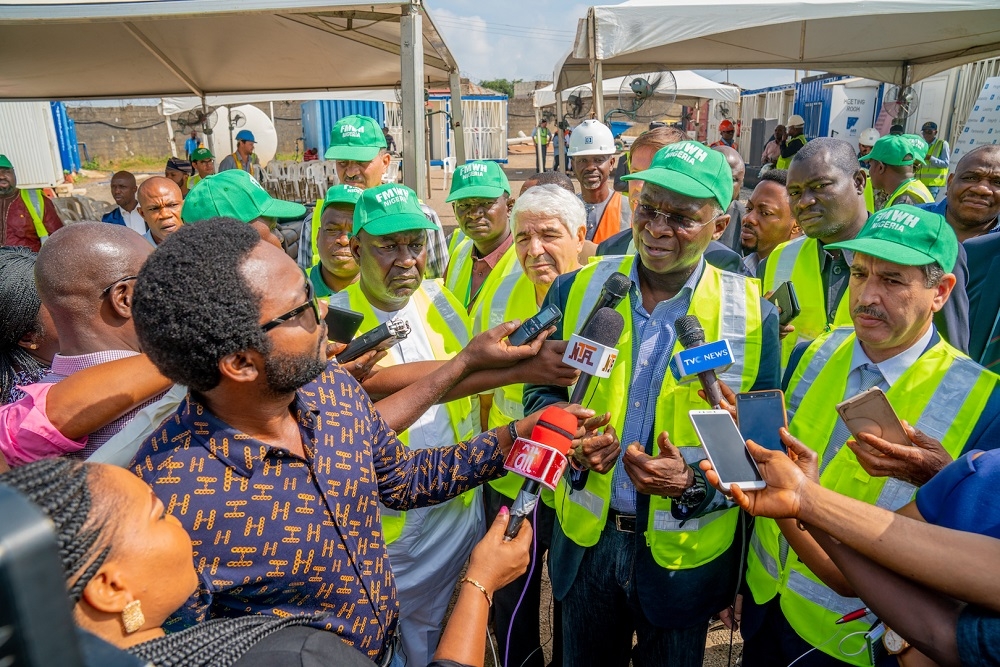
[27, 435]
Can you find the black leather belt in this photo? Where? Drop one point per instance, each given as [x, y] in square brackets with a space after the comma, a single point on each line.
[624, 523]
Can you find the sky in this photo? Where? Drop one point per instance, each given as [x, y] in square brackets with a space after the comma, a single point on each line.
[512, 39]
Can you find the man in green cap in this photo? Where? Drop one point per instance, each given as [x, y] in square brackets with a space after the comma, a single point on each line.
[900, 275]
[336, 268]
[236, 194]
[890, 166]
[27, 217]
[480, 197]
[358, 146]
[633, 552]
[204, 165]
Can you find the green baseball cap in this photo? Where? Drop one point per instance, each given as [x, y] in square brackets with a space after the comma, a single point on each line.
[920, 147]
[342, 194]
[906, 235]
[5, 163]
[356, 138]
[482, 178]
[202, 154]
[893, 149]
[691, 169]
[235, 194]
[388, 209]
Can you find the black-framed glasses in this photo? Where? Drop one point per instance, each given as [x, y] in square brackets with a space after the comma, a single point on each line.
[107, 289]
[672, 219]
[312, 302]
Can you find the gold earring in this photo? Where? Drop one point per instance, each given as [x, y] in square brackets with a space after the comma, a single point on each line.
[33, 346]
[132, 617]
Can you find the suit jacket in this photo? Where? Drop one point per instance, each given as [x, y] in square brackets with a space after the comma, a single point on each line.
[716, 254]
[984, 297]
[115, 217]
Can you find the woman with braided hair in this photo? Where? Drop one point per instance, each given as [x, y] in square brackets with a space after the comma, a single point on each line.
[129, 565]
[28, 338]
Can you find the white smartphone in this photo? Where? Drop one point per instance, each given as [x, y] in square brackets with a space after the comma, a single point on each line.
[726, 449]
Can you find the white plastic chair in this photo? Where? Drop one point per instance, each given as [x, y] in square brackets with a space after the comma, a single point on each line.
[448, 168]
[392, 173]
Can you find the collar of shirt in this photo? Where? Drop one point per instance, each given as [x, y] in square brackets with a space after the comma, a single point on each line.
[494, 257]
[825, 256]
[894, 367]
[319, 285]
[66, 366]
[636, 295]
[238, 450]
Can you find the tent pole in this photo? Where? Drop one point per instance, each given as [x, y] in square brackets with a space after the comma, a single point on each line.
[412, 88]
[561, 155]
[170, 135]
[457, 116]
[596, 67]
[537, 143]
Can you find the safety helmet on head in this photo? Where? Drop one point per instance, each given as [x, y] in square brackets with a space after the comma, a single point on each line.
[591, 137]
[868, 137]
[727, 126]
[796, 120]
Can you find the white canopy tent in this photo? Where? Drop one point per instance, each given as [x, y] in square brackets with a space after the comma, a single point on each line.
[690, 87]
[888, 40]
[204, 48]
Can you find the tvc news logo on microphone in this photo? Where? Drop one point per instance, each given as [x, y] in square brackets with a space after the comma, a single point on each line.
[714, 356]
[590, 357]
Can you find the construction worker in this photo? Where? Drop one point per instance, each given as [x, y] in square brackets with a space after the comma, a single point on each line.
[336, 268]
[362, 158]
[629, 555]
[890, 166]
[592, 148]
[428, 546]
[934, 172]
[793, 142]
[542, 138]
[727, 132]
[243, 157]
[826, 193]
[204, 165]
[27, 217]
[480, 197]
[865, 143]
[901, 274]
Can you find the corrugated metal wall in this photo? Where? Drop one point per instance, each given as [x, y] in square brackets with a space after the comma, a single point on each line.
[319, 117]
[28, 138]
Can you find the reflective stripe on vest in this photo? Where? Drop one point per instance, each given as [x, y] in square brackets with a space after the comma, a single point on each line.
[915, 189]
[929, 175]
[447, 331]
[869, 194]
[582, 513]
[798, 261]
[458, 279]
[34, 201]
[943, 394]
[317, 221]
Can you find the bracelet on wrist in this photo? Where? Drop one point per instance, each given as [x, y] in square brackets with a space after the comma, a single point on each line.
[467, 580]
[512, 429]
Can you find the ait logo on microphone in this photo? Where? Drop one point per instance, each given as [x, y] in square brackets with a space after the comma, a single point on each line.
[536, 461]
[590, 357]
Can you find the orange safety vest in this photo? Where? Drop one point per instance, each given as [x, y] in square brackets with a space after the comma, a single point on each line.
[611, 219]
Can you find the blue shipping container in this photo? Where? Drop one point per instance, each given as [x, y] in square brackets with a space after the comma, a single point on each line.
[319, 117]
[69, 152]
[813, 101]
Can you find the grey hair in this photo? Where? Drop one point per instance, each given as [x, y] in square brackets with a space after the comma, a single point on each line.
[551, 201]
[933, 273]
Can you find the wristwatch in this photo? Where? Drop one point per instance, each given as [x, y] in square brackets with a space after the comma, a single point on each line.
[695, 494]
[894, 644]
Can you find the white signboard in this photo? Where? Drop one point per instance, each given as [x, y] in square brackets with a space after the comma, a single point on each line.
[851, 110]
[983, 126]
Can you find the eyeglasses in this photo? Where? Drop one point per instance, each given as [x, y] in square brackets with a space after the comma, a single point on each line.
[311, 302]
[672, 219]
[107, 289]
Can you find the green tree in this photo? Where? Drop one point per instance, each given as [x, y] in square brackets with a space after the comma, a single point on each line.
[504, 86]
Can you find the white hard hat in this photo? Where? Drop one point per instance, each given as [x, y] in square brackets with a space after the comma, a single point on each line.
[796, 121]
[868, 137]
[591, 137]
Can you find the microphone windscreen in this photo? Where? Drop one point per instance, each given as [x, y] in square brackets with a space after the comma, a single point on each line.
[618, 284]
[555, 427]
[605, 327]
[689, 331]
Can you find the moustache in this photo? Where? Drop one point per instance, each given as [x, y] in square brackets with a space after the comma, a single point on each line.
[871, 311]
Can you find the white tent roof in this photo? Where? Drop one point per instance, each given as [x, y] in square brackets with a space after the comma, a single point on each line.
[91, 49]
[689, 86]
[173, 105]
[871, 38]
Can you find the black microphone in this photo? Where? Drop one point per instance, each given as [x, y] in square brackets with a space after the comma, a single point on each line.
[604, 328]
[691, 334]
[615, 289]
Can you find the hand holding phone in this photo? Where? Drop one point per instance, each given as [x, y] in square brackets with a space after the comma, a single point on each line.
[759, 415]
[726, 449]
[532, 327]
[870, 412]
[786, 301]
[388, 334]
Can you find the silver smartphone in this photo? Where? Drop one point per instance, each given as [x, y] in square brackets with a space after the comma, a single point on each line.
[726, 449]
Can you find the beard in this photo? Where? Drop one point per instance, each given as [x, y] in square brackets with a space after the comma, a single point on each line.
[288, 372]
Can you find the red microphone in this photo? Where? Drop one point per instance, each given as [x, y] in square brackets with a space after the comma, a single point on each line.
[540, 460]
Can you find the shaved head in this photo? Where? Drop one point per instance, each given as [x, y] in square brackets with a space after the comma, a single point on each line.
[152, 185]
[123, 189]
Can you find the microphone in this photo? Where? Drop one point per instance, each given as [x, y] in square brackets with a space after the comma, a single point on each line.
[704, 361]
[540, 460]
[615, 289]
[592, 351]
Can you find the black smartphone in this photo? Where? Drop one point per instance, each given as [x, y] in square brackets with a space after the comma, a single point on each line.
[760, 414]
[530, 328]
[788, 304]
[342, 324]
[384, 336]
